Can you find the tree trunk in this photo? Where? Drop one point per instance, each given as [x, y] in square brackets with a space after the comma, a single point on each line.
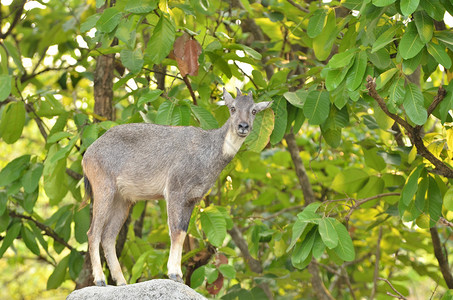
[103, 110]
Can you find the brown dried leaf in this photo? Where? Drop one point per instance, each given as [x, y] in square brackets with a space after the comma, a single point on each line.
[215, 287]
[179, 45]
[192, 51]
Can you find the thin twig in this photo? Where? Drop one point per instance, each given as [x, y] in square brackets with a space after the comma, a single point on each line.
[365, 200]
[248, 76]
[400, 296]
[189, 86]
[293, 3]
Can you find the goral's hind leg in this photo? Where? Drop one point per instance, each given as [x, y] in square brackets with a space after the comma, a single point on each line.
[117, 217]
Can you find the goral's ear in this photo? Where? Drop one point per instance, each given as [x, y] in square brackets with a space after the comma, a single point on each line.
[262, 105]
[227, 98]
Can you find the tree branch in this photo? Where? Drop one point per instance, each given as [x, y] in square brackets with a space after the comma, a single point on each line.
[19, 9]
[400, 296]
[47, 230]
[371, 87]
[309, 197]
[254, 265]
[413, 132]
[441, 258]
[300, 169]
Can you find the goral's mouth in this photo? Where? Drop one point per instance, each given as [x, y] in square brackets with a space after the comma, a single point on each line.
[243, 134]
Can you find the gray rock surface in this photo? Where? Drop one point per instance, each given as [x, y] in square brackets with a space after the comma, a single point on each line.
[157, 289]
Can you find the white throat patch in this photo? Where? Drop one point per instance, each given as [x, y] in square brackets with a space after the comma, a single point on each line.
[232, 143]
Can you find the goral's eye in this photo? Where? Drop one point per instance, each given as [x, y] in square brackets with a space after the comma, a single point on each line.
[232, 109]
[254, 112]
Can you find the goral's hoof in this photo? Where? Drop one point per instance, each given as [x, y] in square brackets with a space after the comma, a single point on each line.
[100, 283]
[175, 277]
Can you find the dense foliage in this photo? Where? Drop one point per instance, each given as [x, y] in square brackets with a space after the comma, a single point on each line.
[343, 189]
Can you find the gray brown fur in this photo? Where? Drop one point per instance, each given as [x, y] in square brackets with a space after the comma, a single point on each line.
[135, 162]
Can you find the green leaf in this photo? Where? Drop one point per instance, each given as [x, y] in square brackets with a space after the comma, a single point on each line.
[3, 203]
[425, 26]
[410, 44]
[434, 202]
[261, 132]
[373, 160]
[397, 91]
[440, 54]
[11, 235]
[5, 86]
[13, 170]
[309, 216]
[206, 119]
[322, 43]
[181, 116]
[410, 188]
[385, 38]
[228, 271]
[317, 107]
[132, 59]
[54, 173]
[298, 228]
[281, 115]
[214, 225]
[448, 199]
[350, 180]
[317, 22]
[197, 277]
[303, 249]
[161, 42]
[58, 275]
[12, 122]
[345, 248]
[30, 240]
[385, 77]
[109, 20]
[149, 97]
[140, 7]
[408, 6]
[211, 274]
[259, 79]
[318, 247]
[296, 98]
[30, 180]
[165, 112]
[58, 136]
[413, 104]
[89, 23]
[355, 75]
[75, 264]
[342, 59]
[434, 9]
[327, 231]
[249, 51]
[382, 3]
[81, 224]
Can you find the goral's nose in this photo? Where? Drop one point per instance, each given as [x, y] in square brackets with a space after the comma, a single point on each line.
[243, 127]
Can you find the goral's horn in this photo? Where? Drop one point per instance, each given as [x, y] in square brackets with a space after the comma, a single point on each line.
[239, 92]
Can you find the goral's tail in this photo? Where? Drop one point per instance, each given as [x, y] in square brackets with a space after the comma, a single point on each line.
[88, 192]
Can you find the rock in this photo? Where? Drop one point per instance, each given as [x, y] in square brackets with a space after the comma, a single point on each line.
[157, 289]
